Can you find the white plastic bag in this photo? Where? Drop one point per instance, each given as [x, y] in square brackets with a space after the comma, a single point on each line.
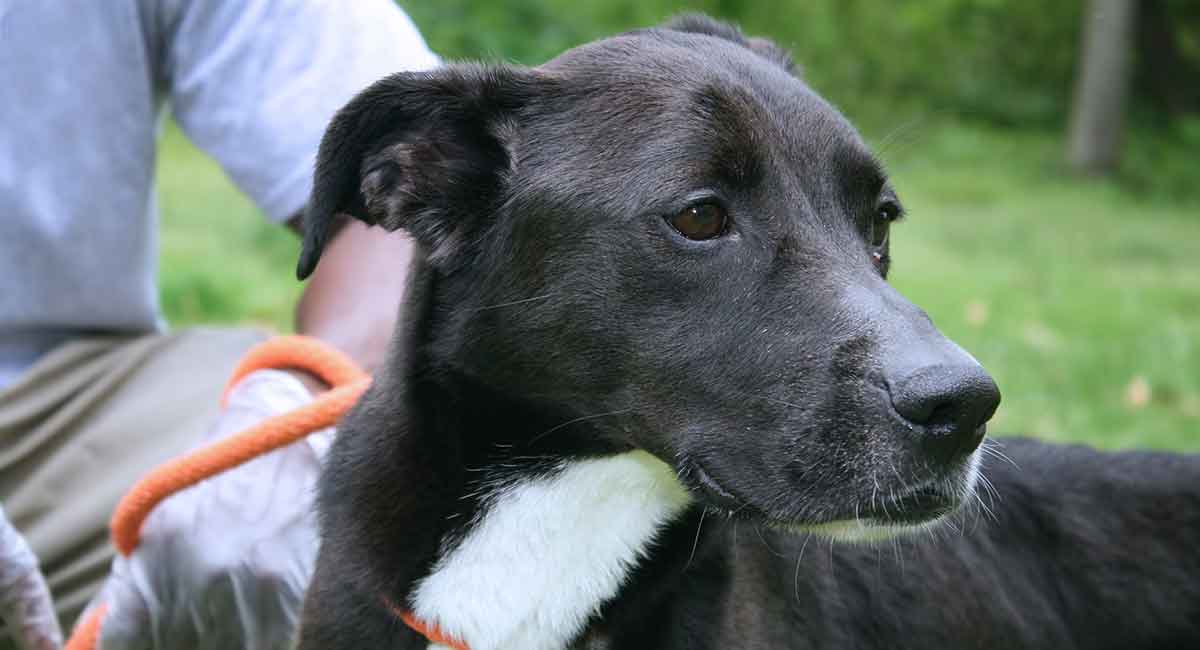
[225, 564]
[25, 603]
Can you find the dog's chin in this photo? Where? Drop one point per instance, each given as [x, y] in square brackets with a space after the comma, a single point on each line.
[913, 510]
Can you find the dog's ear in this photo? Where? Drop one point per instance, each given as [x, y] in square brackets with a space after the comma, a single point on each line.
[424, 152]
[700, 24]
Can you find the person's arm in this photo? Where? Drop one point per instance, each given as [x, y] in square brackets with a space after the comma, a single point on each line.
[254, 83]
[353, 298]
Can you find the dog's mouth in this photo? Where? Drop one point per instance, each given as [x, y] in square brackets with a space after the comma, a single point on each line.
[919, 506]
[880, 516]
[700, 481]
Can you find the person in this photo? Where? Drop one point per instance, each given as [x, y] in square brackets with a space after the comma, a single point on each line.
[94, 391]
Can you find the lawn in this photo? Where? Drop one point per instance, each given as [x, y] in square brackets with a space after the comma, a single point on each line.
[1082, 297]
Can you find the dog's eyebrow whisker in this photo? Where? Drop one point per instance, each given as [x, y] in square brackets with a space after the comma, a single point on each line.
[894, 138]
[514, 302]
[577, 420]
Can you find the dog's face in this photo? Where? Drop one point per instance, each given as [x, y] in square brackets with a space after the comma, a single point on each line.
[667, 241]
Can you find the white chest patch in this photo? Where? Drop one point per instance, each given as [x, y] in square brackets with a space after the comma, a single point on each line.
[549, 552]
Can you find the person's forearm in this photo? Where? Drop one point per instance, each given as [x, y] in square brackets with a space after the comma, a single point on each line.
[352, 300]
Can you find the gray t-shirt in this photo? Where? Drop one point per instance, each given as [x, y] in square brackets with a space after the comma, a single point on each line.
[82, 84]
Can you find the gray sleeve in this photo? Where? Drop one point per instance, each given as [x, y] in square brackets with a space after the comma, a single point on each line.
[254, 82]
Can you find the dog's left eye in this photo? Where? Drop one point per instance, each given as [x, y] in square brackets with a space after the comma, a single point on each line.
[880, 230]
[881, 225]
[700, 221]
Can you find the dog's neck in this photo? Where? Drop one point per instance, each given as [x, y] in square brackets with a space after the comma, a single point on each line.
[545, 553]
[525, 550]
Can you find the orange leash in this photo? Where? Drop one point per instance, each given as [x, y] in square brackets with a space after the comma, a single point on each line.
[347, 382]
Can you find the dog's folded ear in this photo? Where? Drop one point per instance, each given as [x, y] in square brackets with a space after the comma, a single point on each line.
[424, 152]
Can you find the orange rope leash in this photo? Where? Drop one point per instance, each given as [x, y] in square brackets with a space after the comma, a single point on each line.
[347, 382]
[431, 632]
[87, 633]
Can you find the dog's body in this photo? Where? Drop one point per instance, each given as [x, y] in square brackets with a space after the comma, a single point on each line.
[1081, 550]
[649, 362]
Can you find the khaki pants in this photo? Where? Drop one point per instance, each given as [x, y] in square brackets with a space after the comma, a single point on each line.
[88, 420]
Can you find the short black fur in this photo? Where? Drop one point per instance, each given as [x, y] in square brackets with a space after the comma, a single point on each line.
[556, 316]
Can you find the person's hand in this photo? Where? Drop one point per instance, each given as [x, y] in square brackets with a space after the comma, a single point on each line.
[225, 564]
[25, 604]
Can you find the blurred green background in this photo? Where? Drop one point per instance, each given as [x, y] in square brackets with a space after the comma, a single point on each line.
[1080, 294]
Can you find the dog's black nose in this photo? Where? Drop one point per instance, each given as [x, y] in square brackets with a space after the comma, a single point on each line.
[951, 403]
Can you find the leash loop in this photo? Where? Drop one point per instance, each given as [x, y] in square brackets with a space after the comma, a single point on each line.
[348, 382]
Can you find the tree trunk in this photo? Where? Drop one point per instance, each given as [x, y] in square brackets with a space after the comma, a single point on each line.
[1102, 86]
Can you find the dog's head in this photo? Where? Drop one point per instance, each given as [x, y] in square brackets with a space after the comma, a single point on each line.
[668, 241]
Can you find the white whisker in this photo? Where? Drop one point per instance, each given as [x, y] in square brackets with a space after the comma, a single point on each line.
[514, 302]
[577, 420]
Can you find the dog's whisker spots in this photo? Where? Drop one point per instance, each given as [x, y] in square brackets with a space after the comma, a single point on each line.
[895, 472]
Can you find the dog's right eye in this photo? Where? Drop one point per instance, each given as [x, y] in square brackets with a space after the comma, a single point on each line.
[701, 221]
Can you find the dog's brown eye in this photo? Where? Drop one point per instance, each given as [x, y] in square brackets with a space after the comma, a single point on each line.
[700, 221]
[881, 225]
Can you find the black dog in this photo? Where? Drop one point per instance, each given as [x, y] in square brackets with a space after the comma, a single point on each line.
[650, 351]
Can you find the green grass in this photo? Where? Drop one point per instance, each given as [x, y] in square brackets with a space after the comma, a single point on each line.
[1081, 297]
[221, 261]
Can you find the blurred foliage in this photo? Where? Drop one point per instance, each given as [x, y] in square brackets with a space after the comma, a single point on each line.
[1079, 295]
[1009, 62]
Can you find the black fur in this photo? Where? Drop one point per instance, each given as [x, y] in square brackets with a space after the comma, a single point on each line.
[556, 315]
